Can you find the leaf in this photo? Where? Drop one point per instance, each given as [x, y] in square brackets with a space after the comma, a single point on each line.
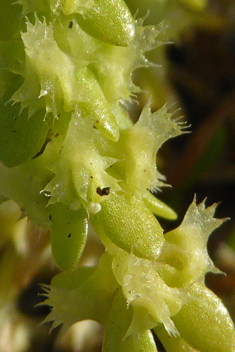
[205, 323]
[97, 106]
[158, 207]
[85, 293]
[109, 21]
[185, 247]
[9, 18]
[116, 326]
[117, 323]
[21, 137]
[128, 223]
[68, 234]
[172, 343]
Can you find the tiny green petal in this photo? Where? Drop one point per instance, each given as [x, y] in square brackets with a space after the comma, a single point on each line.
[158, 207]
[97, 105]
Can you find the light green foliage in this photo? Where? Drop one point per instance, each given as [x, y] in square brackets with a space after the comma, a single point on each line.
[118, 321]
[11, 126]
[158, 207]
[84, 172]
[186, 246]
[68, 238]
[97, 105]
[151, 298]
[172, 343]
[24, 184]
[15, 127]
[151, 131]
[214, 322]
[122, 215]
[70, 154]
[82, 294]
[109, 21]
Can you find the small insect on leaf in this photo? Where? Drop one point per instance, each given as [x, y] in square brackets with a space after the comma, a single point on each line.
[103, 191]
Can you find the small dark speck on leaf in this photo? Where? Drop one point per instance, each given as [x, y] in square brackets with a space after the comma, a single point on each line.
[60, 151]
[42, 148]
[14, 131]
[50, 217]
[69, 235]
[103, 191]
[71, 24]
